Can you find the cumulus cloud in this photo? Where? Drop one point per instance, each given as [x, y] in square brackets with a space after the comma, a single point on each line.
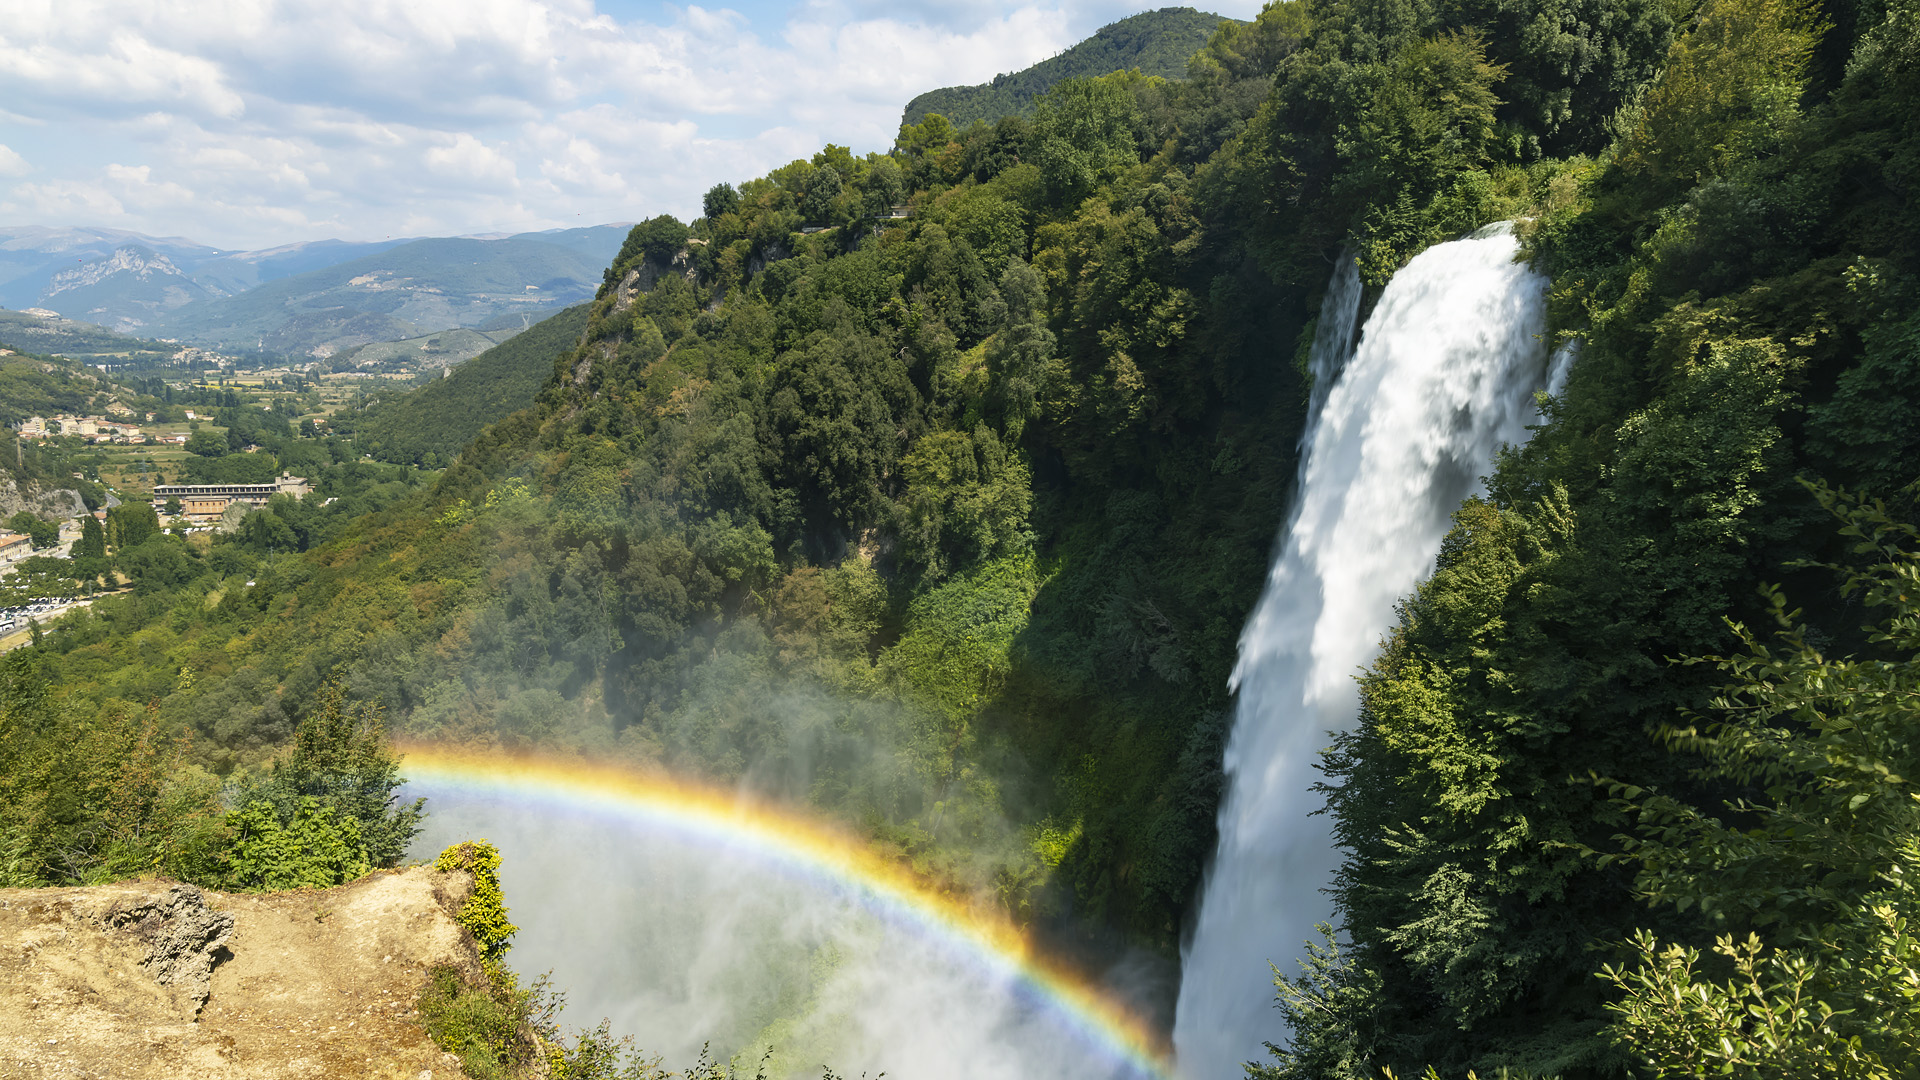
[257, 122]
[467, 160]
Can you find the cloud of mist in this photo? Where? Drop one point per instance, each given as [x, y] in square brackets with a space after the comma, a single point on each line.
[681, 944]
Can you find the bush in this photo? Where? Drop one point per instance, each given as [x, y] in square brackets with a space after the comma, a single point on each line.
[1815, 861]
[484, 915]
[317, 849]
[341, 760]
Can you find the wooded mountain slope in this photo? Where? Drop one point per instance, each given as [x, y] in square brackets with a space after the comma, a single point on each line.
[441, 417]
[1156, 43]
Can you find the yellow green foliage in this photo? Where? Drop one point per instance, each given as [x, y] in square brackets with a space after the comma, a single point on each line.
[484, 914]
[317, 849]
[489, 1024]
[1729, 92]
[1769, 1018]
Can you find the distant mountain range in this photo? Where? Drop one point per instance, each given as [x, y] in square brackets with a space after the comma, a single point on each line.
[1157, 42]
[313, 298]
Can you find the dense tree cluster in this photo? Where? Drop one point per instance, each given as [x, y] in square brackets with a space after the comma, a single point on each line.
[1737, 264]
[95, 791]
[1152, 42]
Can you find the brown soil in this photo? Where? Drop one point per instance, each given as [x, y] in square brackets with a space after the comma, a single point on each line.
[304, 984]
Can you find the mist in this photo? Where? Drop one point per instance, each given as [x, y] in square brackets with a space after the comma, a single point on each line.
[681, 943]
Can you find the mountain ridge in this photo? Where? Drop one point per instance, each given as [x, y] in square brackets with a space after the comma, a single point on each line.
[129, 282]
[1157, 42]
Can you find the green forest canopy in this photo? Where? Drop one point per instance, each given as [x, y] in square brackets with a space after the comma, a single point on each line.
[983, 496]
[1156, 43]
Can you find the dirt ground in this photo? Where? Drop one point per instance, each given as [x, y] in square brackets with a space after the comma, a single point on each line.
[105, 981]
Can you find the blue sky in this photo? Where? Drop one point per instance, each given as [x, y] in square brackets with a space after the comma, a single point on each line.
[252, 123]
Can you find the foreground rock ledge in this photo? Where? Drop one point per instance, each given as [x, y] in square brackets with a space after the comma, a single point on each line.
[155, 979]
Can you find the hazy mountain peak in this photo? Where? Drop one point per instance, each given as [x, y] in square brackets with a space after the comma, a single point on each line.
[58, 239]
[140, 262]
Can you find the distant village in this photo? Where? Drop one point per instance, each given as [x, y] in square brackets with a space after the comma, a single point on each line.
[192, 504]
[113, 428]
[101, 429]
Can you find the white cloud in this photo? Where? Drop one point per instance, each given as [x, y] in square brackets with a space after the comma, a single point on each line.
[467, 160]
[257, 122]
[63, 201]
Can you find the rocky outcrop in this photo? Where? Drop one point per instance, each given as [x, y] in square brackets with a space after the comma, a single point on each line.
[60, 504]
[646, 273]
[162, 981]
[184, 938]
[630, 288]
[137, 262]
[773, 254]
[57, 504]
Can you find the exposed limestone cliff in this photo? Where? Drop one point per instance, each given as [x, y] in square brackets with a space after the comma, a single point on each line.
[159, 980]
[57, 504]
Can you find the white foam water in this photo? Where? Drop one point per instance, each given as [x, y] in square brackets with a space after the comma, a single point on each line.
[1444, 374]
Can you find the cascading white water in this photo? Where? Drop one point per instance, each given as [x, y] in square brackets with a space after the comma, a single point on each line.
[1443, 375]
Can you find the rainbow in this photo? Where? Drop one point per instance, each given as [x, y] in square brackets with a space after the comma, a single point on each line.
[787, 838]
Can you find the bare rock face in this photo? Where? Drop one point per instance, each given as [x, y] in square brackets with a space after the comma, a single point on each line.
[56, 505]
[630, 288]
[773, 254]
[184, 938]
[162, 981]
[11, 501]
[60, 504]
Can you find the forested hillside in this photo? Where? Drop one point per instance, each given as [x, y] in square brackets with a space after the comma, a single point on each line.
[1738, 264]
[948, 525]
[428, 426]
[40, 334]
[1157, 43]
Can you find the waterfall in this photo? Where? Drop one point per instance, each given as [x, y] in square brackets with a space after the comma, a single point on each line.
[1443, 375]
[1332, 340]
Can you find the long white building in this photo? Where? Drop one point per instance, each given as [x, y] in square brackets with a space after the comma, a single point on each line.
[212, 500]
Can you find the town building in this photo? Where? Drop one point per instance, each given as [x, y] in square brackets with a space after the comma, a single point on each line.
[206, 502]
[92, 427]
[14, 547]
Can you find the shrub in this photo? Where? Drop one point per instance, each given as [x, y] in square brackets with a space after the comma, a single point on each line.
[484, 915]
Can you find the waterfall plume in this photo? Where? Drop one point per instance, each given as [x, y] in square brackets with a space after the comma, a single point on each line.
[1444, 373]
